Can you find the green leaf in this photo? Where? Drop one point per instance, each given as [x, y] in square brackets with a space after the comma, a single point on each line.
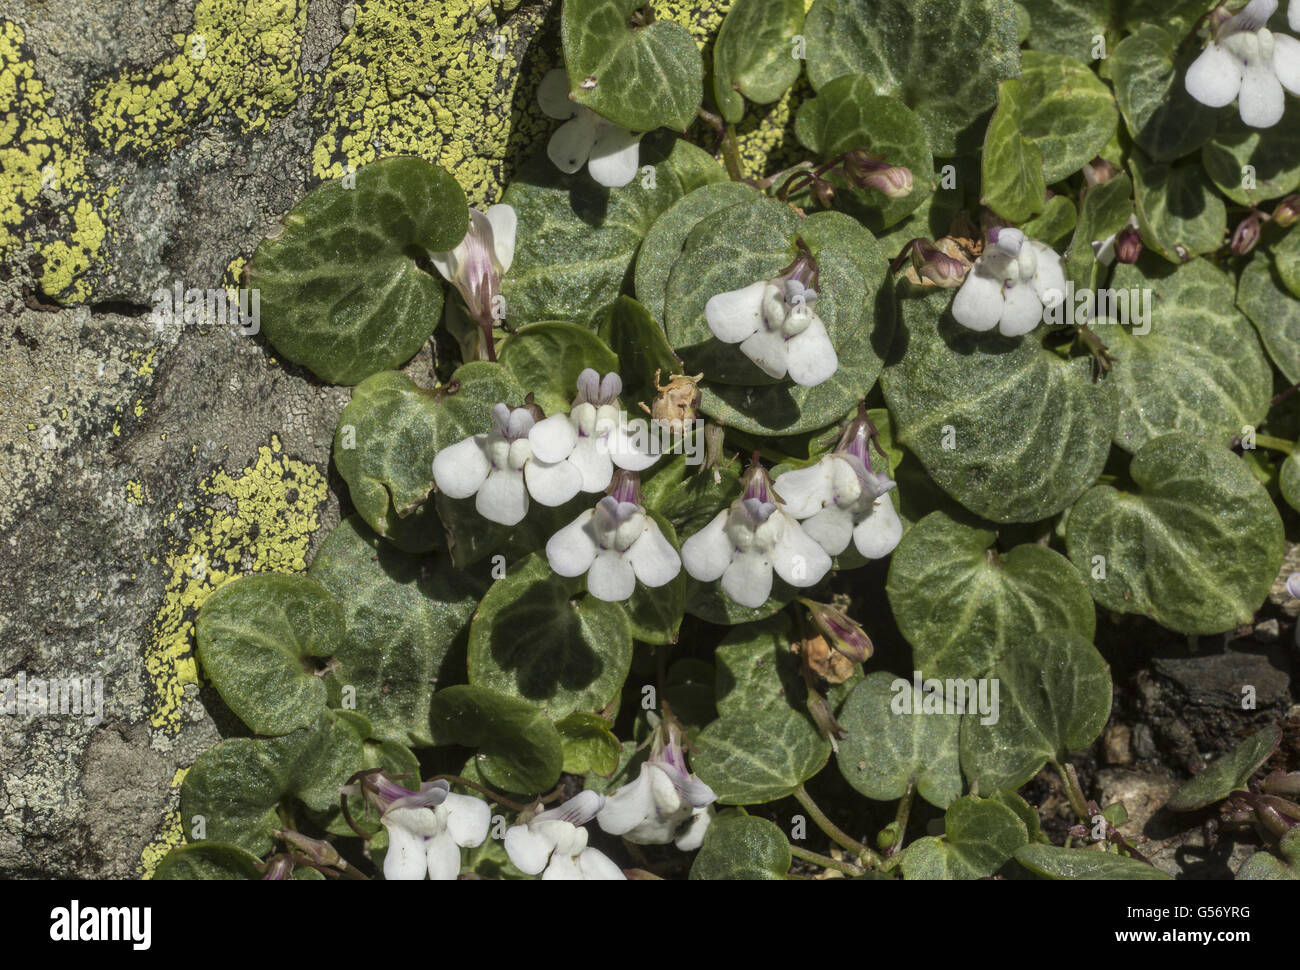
[1195, 548]
[663, 243]
[1053, 698]
[687, 494]
[341, 290]
[1148, 72]
[255, 637]
[1178, 211]
[230, 794]
[980, 835]
[589, 744]
[405, 618]
[1264, 865]
[641, 346]
[1228, 773]
[1251, 165]
[1200, 368]
[546, 358]
[391, 430]
[519, 749]
[753, 54]
[887, 748]
[640, 77]
[1176, 16]
[944, 62]
[737, 846]
[1054, 862]
[1286, 255]
[577, 650]
[1069, 26]
[848, 114]
[208, 860]
[323, 758]
[751, 242]
[1106, 210]
[1289, 481]
[1030, 431]
[758, 756]
[1012, 182]
[575, 239]
[1055, 223]
[963, 606]
[1069, 114]
[1263, 297]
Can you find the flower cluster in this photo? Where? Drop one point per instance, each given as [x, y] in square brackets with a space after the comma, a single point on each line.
[1248, 63]
[1009, 285]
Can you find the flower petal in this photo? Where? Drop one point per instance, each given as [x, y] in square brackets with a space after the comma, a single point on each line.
[1022, 311]
[630, 805]
[504, 224]
[810, 355]
[978, 305]
[707, 554]
[653, 558]
[1261, 101]
[796, 557]
[805, 490]
[767, 349]
[553, 95]
[611, 577]
[442, 856]
[572, 550]
[831, 528]
[594, 463]
[1293, 15]
[1214, 78]
[553, 438]
[1049, 281]
[468, 820]
[578, 810]
[562, 867]
[502, 498]
[1286, 54]
[594, 864]
[406, 857]
[690, 835]
[552, 483]
[527, 849]
[748, 579]
[635, 452]
[460, 469]
[736, 314]
[878, 533]
[614, 156]
[571, 143]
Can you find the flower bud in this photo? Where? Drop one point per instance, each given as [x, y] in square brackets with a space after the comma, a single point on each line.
[320, 852]
[278, 867]
[1246, 235]
[1287, 213]
[823, 192]
[1128, 245]
[868, 171]
[1099, 171]
[933, 264]
[819, 709]
[840, 631]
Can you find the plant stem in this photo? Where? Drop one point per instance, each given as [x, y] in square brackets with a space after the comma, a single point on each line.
[1073, 791]
[900, 820]
[1274, 444]
[868, 856]
[826, 862]
[731, 153]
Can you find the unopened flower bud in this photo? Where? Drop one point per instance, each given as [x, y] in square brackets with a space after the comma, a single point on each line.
[1287, 213]
[840, 631]
[823, 192]
[1099, 171]
[819, 709]
[933, 264]
[1128, 245]
[318, 851]
[868, 171]
[1246, 235]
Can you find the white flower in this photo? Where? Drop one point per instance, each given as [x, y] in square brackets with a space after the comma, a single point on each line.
[1248, 62]
[426, 828]
[841, 498]
[496, 467]
[610, 153]
[615, 544]
[593, 436]
[774, 323]
[747, 541]
[1009, 285]
[666, 803]
[1293, 15]
[478, 262]
[554, 843]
